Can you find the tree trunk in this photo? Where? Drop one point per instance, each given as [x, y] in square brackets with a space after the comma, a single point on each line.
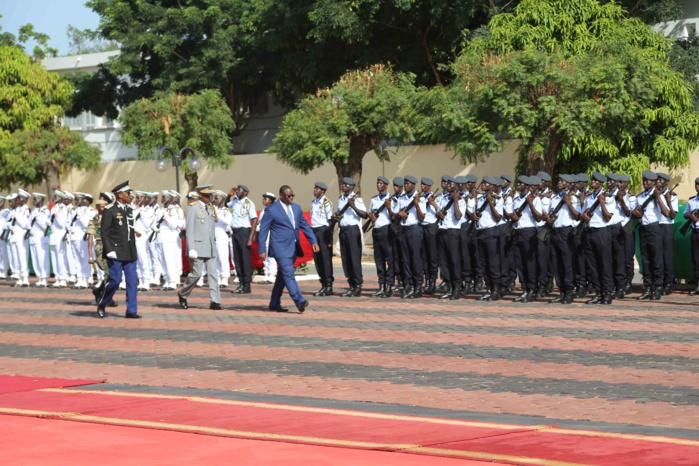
[53, 178]
[192, 181]
[359, 146]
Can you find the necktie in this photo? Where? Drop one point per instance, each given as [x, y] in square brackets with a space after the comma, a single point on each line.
[291, 215]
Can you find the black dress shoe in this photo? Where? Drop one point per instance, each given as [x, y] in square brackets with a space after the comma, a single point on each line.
[215, 306]
[596, 299]
[246, 289]
[380, 293]
[568, 298]
[329, 291]
[357, 291]
[694, 292]
[132, 316]
[657, 294]
[302, 307]
[101, 312]
[448, 292]
[183, 302]
[320, 292]
[239, 290]
[349, 293]
[388, 292]
[558, 299]
[647, 293]
[521, 298]
[112, 303]
[278, 309]
[667, 290]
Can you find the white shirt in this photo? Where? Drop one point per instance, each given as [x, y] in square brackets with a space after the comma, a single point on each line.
[350, 217]
[652, 212]
[321, 212]
[242, 211]
[404, 202]
[527, 219]
[596, 217]
[427, 209]
[692, 205]
[673, 202]
[487, 220]
[450, 222]
[564, 218]
[382, 218]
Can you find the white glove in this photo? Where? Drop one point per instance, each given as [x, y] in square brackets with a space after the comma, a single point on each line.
[111, 255]
[193, 254]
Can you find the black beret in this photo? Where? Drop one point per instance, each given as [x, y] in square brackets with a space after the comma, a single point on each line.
[568, 178]
[544, 176]
[599, 177]
[524, 179]
[535, 180]
[624, 178]
[382, 179]
[506, 177]
[649, 175]
[612, 176]
[491, 180]
[664, 176]
[410, 179]
[583, 177]
[349, 181]
[447, 177]
[462, 179]
[696, 181]
[471, 179]
[321, 185]
[426, 181]
[398, 181]
[244, 188]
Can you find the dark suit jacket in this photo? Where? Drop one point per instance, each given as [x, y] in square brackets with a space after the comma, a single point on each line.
[118, 233]
[284, 239]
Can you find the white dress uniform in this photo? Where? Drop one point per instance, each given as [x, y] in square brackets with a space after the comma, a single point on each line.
[142, 225]
[71, 260]
[57, 246]
[155, 212]
[222, 237]
[4, 259]
[18, 243]
[169, 244]
[39, 243]
[79, 246]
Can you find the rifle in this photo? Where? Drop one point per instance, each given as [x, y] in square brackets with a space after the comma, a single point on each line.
[72, 222]
[369, 223]
[643, 207]
[446, 208]
[472, 225]
[27, 233]
[395, 226]
[546, 229]
[8, 232]
[154, 233]
[579, 229]
[510, 225]
[48, 227]
[341, 212]
[685, 228]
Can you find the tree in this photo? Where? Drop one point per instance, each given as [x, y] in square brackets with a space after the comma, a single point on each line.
[200, 121]
[341, 124]
[26, 33]
[87, 41]
[33, 156]
[582, 86]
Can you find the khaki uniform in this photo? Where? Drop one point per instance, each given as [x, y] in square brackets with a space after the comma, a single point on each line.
[94, 229]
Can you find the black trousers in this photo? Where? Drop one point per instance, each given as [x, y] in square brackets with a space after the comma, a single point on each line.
[394, 237]
[668, 253]
[383, 255]
[524, 242]
[651, 239]
[489, 251]
[542, 261]
[695, 252]
[563, 246]
[510, 265]
[579, 258]
[431, 253]
[241, 254]
[449, 244]
[599, 259]
[351, 252]
[466, 242]
[411, 237]
[505, 260]
[630, 246]
[618, 255]
[324, 258]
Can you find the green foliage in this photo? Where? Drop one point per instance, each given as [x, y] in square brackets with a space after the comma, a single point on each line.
[30, 156]
[30, 96]
[200, 121]
[582, 86]
[684, 58]
[87, 41]
[342, 123]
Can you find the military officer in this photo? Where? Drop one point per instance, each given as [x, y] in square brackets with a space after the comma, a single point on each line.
[18, 240]
[451, 209]
[223, 235]
[379, 213]
[244, 225]
[38, 239]
[410, 214]
[667, 226]
[201, 246]
[691, 213]
[489, 211]
[350, 237]
[321, 215]
[429, 227]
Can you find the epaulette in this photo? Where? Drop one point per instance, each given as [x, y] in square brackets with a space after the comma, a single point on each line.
[109, 206]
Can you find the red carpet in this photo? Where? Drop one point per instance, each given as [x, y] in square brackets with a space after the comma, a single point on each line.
[20, 383]
[353, 430]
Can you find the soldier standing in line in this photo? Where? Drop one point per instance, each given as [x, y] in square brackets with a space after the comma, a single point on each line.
[379, 213]
[4, 260]
[691, 212]
[38, 241]
[223, 235]
[579, 263]
[629, 235]
[429, 227]
[667, 225]
[244, 224]
[350, 237]
[410, 214]
[451, 210]
[394, 235]
[488, 236]
[321, 214]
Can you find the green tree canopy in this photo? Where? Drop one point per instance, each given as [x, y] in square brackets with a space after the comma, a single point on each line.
[581, 85]
[341, 124]
[200, 121]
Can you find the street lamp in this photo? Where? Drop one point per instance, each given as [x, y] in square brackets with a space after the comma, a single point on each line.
[193, 162]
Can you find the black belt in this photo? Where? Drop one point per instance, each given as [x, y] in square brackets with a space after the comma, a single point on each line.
[381, 228]
[348, 226]
[320, 228]
[409, 227]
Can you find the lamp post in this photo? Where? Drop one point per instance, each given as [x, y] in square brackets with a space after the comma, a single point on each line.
[161, 163]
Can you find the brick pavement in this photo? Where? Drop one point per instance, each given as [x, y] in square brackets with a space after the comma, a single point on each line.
[630, 366]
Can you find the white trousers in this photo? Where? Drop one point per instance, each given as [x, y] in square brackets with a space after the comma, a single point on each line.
[58, 260]
[20, 257]
[81, 255]
[156, 264]
[40, 258]
[171, 258]
[4, 259]
[222, 256]
[145, 267]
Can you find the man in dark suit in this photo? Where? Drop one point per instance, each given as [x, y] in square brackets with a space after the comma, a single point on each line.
[119, 248]
[281, 223]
